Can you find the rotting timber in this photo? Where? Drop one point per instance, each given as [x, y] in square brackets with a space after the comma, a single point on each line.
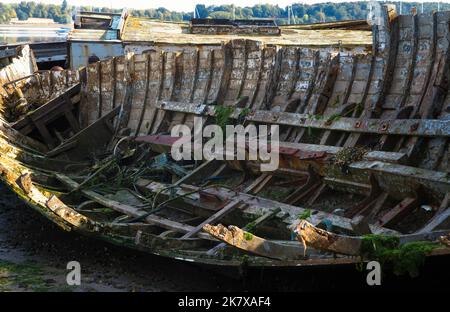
[364, 146]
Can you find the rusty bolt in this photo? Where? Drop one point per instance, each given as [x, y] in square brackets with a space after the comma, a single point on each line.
[358, 124]
[384, 127]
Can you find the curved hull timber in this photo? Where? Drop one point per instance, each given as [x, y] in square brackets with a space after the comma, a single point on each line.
[392, 103]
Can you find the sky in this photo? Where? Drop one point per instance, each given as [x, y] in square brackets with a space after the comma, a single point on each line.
[179, 5]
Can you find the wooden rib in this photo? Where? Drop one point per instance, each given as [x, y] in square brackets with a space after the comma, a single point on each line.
[194, 84]
[314, 181]
[215, 217]
[353, 138]
[210, 76]
[151, 111]
[297, 70]
[394, 214]
[312, 85]
[367, 202]
[348, 91]
[200, 171]
[225, 80]
[440, 216]
[147, 80]
[128, 98]
[388, 71]
[113, 82]
[99, 79]
[161, 113]
[378, 206]
[412, 65]
[414, 144]
[436, 221]
[274, 80]
[432, 95]
[316, 194]
[258, 84]
[432, 71]
[244, 75]
[259, 183]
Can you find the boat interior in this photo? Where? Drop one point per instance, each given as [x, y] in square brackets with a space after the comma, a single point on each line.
[363, 146]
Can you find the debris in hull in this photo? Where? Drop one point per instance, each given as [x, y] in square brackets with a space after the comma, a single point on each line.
[363, 151]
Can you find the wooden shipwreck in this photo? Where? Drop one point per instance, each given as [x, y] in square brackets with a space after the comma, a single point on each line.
[364, 146]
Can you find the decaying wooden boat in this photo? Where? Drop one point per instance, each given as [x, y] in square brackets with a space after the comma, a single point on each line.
[364, 148]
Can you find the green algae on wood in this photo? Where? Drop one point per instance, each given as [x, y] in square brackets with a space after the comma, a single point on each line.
[403, 259]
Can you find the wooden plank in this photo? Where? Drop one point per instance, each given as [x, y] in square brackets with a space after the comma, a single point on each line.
[265, 217]
[8, 53]
[215, 217]
[258, 183]
[253, 244]
[408, 127]
[256, 205]
[201, 171]
[43, 131]
[436, 221]
[398, 211]
[47, 111]
[126, 209]
[441, 215]
[320, 239]
[91, 139]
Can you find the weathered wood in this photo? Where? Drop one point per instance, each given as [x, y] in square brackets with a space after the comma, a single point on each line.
[440, 217]
[49, 111]
[126, 209]
[265, 217]
[90, 140]
[259, 183]
[314, 182]
[8, 53]
[215, 217]
[311, 236]
[200, 172]
[52, 202]
[253, 244]
[407, 127]
[256, 205]
[367, 202]
[398, 211]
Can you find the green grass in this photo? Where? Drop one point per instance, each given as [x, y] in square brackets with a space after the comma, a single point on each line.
[26, 277]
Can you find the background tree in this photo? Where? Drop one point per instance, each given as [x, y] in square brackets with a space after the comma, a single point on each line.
[303, 13]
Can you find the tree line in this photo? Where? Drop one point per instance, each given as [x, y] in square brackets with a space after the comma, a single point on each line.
[297, 13]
